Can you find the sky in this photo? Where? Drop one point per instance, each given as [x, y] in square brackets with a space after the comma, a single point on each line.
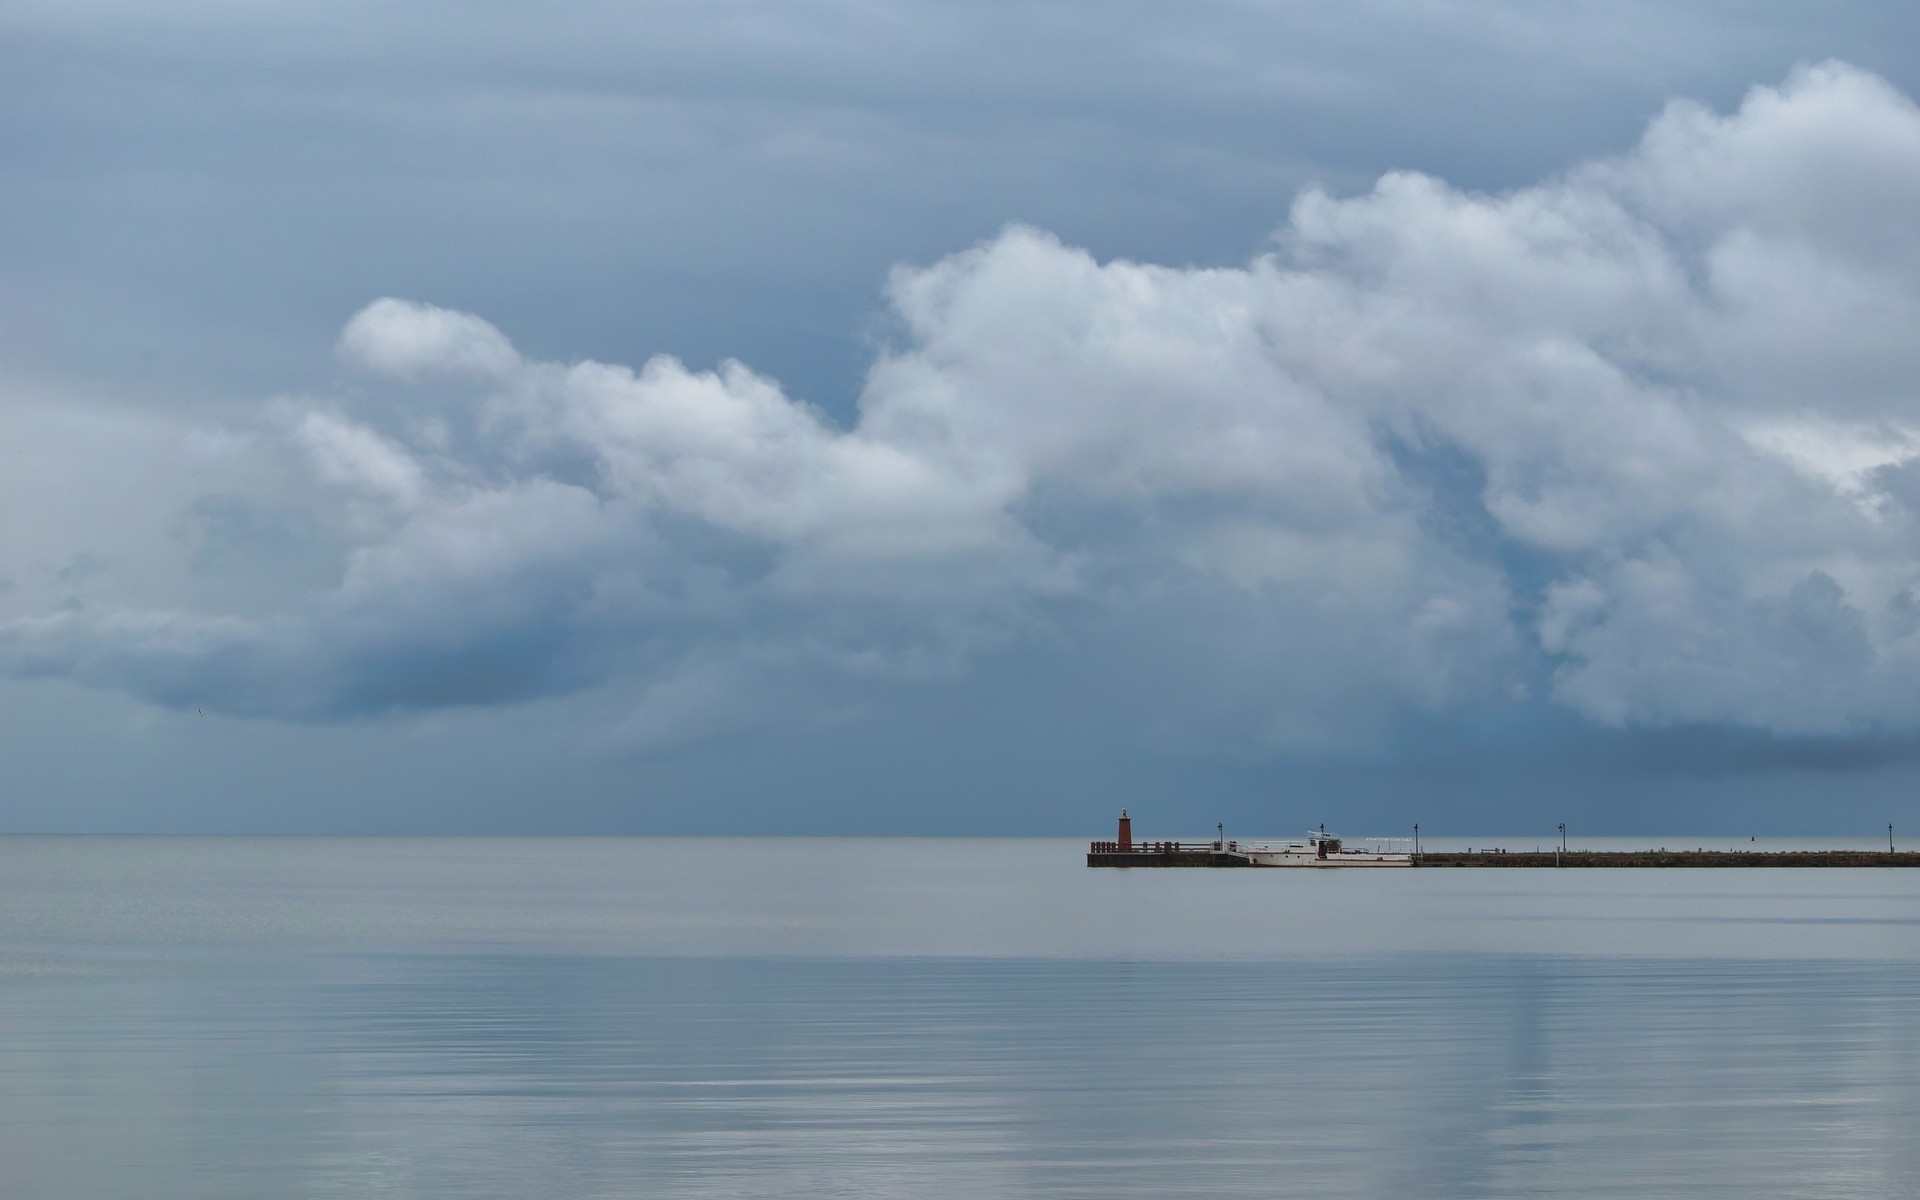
[831, 417]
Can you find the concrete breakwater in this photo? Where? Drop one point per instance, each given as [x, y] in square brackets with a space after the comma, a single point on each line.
[1176, 854]
[1673, 858]
[1173, 854]
[1322, 851]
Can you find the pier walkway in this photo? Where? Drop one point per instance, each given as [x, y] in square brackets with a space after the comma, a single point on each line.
[1205, 854]
[1675, 858]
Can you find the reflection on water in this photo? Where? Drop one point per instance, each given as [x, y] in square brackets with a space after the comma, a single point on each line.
[346, 1035]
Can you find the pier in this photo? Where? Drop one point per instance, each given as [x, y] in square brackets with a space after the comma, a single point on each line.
[1208, 854]
[1124, 851]
[1673, 858]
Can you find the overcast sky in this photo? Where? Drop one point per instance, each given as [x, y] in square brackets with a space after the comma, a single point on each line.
[830, 416]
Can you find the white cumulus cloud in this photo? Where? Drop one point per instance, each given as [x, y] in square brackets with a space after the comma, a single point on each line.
[1639, 433]
[410, 340]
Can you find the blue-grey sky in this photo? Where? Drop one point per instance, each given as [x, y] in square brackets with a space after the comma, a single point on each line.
[959, 417]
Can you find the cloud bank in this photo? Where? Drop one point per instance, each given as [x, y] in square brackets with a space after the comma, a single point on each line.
[1639, 441]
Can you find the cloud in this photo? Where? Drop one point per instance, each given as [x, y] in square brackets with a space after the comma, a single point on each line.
[355, 456]
[408, 340]
[1630, 440]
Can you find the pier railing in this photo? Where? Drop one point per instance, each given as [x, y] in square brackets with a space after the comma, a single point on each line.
[1160, 848]
[1166, 854]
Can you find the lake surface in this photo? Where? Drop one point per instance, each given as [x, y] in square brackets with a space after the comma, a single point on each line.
[316, 1017]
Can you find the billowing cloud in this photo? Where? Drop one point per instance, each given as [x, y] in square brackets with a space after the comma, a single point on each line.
[394, 337]
[1634, 440]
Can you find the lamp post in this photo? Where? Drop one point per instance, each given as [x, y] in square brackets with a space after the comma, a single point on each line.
[1416, 840]
[1889, 837]
[1563, 843]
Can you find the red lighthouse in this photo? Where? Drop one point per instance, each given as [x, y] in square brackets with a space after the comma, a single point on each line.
[1126, 833]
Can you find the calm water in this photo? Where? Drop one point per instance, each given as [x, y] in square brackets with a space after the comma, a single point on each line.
[631, 1017]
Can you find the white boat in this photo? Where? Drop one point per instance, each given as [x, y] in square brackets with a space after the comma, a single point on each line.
[1321, 849]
